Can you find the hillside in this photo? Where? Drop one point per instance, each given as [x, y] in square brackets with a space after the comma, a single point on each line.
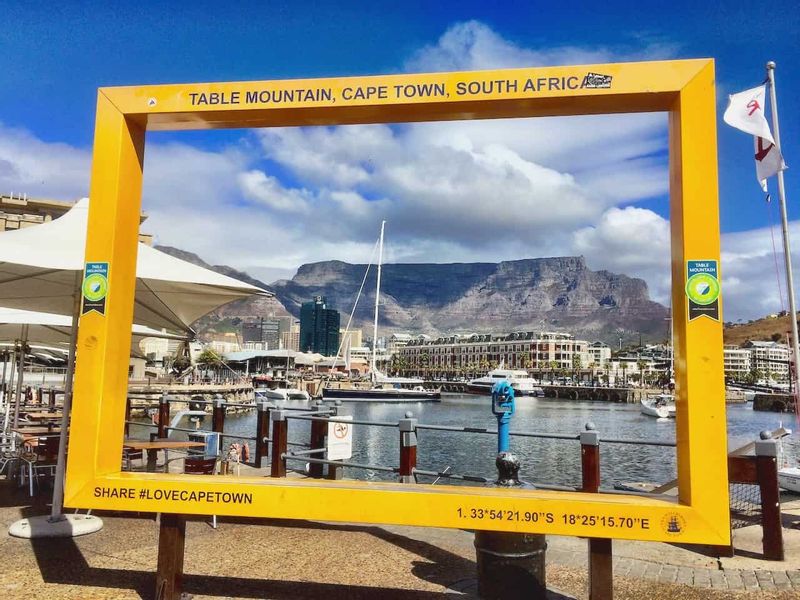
[759, 329]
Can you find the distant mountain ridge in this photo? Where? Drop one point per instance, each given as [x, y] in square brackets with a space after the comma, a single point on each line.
[558, 293]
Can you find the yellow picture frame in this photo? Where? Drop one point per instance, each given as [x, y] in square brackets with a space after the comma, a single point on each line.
[683, 88]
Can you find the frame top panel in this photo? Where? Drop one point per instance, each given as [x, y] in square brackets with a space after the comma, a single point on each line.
[539, 91]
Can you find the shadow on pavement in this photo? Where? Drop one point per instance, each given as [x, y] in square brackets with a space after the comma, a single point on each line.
[61, 561]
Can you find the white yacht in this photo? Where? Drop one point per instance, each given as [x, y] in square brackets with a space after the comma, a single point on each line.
[661, 406]
[383, 388]
[522, 383]
[283, 394]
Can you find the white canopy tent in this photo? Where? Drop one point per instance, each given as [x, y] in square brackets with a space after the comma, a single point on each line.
[40, 269]
[47, 328]
[40, 266]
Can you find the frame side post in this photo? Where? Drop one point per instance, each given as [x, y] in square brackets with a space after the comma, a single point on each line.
[101, 376]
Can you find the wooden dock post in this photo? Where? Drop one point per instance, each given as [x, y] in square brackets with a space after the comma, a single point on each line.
[279, 442]
[408, 448]
[262, 432]
[218, 418]
[601, 582]
[767, 473]
[319, 430]
[127, 416]
[171, 545]
[163, 415]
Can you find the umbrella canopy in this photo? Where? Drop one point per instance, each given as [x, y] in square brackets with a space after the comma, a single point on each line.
[46, 328]
[40, 266]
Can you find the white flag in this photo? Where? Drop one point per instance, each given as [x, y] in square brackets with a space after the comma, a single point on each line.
[746, 112]
[768, 160]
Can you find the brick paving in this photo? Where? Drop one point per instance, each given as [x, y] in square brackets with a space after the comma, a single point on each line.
[699, 577]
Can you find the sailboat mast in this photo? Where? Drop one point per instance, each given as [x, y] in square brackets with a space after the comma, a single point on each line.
[377, 300]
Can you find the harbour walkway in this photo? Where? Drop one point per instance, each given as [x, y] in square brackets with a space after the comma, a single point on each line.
[298, 560]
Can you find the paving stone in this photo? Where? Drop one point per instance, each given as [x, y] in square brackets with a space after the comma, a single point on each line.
[669, 573]
[734, 579]
[718, 580]
[780, 577]
[637, 569]
[794, 576]
[685, 575]
[622, 566]
[652, 571]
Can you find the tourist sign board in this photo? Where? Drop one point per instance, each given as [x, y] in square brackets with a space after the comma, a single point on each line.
[683, 88]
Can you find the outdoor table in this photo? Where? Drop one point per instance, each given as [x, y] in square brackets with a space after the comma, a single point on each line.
[42, 416]
[153, 447]
[35, 430]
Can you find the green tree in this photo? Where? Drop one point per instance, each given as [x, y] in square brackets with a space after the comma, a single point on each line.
[208, 358]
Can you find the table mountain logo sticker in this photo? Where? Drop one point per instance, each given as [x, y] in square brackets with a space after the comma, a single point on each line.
[702, 289]
[95, 287]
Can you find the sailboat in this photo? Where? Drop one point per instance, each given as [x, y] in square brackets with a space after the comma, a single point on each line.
[383, 388]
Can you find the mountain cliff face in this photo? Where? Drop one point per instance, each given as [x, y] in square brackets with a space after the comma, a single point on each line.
[560, 294]
[246, 309]
[543, 293]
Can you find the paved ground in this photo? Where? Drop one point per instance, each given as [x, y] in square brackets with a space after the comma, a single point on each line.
[304, 560]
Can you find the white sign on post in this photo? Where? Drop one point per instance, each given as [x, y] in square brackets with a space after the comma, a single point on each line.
[340, 439]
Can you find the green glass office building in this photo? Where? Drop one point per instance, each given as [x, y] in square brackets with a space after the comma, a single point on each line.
[319, 327]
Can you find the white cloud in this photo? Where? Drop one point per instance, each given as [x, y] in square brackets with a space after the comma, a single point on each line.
[32, 166]
[634, 241]
[451, 191]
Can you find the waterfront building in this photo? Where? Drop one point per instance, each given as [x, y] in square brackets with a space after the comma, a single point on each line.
[480, 352]
[598, 355]
[264, 333]
[319, 327]
[18, 211]
[397, 341]
[770, 358]
[290, 339]
[737, 361]
[353, 339]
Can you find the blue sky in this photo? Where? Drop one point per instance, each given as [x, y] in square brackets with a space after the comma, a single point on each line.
[283, 188]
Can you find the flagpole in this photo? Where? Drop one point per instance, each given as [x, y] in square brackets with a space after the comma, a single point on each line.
[785, 228]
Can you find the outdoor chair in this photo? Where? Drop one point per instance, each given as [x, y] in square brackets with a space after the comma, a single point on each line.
[128, 456]
[201, 466]
[39, 457]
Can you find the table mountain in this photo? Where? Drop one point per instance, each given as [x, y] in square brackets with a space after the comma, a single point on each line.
[560, 294]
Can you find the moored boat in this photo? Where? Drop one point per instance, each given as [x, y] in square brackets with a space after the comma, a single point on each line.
[380, 393]
[283, 394]
[661, 406]
[383, 388]
[789, 479]
[519, 380]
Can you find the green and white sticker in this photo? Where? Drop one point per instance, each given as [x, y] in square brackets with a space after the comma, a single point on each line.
[95, 287]
[702, 289]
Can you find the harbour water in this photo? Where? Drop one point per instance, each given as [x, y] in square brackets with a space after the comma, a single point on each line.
[543, 460]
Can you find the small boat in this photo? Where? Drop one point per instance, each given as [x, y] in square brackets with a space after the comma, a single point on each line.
[382, 393]
[789, 479]
[383, 388]
[283, 394]
[661, 406]
[518, 379]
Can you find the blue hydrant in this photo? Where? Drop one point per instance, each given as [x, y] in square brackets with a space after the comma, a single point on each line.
[503, 408]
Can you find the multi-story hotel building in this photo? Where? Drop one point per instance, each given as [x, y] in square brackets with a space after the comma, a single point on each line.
[771, 358]
[737, 361]
[520, 350]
